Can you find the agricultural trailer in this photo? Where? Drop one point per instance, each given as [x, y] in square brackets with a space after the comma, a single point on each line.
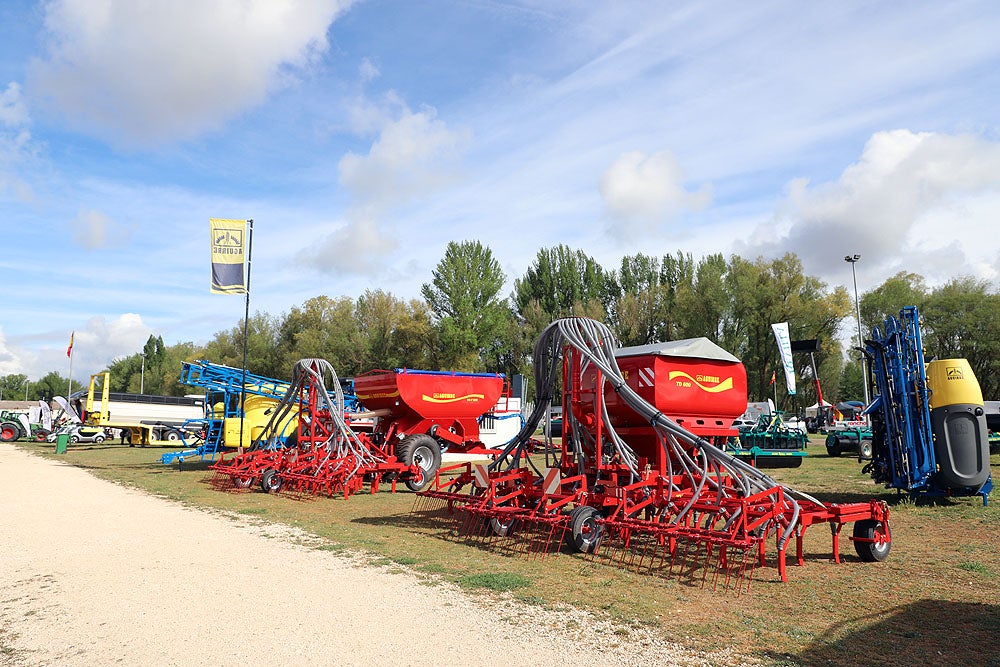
[642, 480]
[417, 414]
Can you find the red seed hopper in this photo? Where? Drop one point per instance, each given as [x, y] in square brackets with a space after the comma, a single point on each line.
[446, 405]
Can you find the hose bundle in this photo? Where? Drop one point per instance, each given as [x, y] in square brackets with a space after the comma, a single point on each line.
[699, 462]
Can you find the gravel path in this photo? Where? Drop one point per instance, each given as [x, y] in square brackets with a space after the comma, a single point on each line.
[92, 573]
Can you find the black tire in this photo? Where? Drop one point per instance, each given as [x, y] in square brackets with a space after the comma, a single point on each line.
[501, 528]
[870, 529]
[98, 439]
[41, 435]
[9, 432]
[74, 438]
[832, 445]
[865, 450]
[424, 451]
[270, 481]
[584, 532]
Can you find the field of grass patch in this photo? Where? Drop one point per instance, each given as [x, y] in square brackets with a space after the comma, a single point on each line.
[934, 601]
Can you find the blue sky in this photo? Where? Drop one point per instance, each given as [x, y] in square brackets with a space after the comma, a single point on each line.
[364, 136]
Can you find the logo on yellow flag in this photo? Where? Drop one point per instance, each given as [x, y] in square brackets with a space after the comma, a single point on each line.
[228, 256]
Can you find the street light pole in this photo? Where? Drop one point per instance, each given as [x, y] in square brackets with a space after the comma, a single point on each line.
[852, 260]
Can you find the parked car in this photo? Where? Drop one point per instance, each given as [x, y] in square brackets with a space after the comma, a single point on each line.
[78, 433]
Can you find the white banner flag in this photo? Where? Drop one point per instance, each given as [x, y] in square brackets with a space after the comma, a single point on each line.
[785, 349]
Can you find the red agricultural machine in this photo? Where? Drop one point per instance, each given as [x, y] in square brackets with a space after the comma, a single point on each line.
[417, 414]
[641, 477]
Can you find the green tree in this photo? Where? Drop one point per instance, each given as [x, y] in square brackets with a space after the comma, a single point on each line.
[52, 384]
[902, 289]
[961, 320]
[263, 357]
[850, 387]
[464, 297]
[323, 328]
[641, 298]
[763, 293]
[562, 282]
[13, 387]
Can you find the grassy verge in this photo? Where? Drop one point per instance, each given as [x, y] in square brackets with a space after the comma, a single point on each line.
[933, 602]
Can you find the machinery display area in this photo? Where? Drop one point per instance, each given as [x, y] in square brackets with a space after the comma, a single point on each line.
[641, 478]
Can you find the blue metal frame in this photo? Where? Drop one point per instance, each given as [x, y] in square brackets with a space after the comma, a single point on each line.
[222, 384]
[903, 442]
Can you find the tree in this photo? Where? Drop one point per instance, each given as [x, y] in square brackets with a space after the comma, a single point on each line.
[961, 320]
[562, 282]
[52, 384]
[262, 355]
[464, 297]
[13, 387]
[763, 293]
[902, 289]
[641, 299]
[322, 328]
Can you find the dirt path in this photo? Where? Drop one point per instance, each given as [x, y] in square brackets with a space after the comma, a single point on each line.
[92, 573]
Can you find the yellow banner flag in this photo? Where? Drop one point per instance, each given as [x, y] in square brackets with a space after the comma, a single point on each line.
[228, 256]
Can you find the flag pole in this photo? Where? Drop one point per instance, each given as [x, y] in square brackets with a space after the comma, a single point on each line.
[69, 389]
[246, 325]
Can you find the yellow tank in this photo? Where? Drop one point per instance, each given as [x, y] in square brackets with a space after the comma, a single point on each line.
[958, 424]
[952, 382]
[258, 410]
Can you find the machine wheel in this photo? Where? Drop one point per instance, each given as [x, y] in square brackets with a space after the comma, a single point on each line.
[74, 438]
[171, 436]
[424, 451]
[870, 529]
[832, 445]
[585, 533]
[270, 481]
[41, 435]
[98, 439]
[9, 432]
[865, 450]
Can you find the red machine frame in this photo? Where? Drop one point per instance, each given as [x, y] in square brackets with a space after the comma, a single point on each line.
[671, 515]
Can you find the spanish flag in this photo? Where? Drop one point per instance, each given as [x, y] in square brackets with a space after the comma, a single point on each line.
[773, 376]
[69, 350]
[228, 256]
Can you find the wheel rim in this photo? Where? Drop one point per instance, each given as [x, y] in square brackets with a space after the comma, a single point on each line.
[423, 458]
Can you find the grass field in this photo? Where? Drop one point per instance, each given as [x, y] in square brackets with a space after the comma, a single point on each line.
[934, 601]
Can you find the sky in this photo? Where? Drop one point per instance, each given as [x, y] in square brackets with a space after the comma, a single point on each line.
[362, 137]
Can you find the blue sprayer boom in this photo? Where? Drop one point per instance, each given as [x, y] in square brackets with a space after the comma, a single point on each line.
[929, 435]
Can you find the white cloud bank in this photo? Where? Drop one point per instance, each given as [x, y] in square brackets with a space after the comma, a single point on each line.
[145, 73]
[881, 205]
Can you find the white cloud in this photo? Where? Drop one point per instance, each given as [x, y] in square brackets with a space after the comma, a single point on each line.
[16, 146]
[649, 189]
[414, 155]
[11, 361]
[357, 247]
[95, 345]
[368, 70]
[878, 204]
[13, 110]
[142, 73]
[94, 230]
